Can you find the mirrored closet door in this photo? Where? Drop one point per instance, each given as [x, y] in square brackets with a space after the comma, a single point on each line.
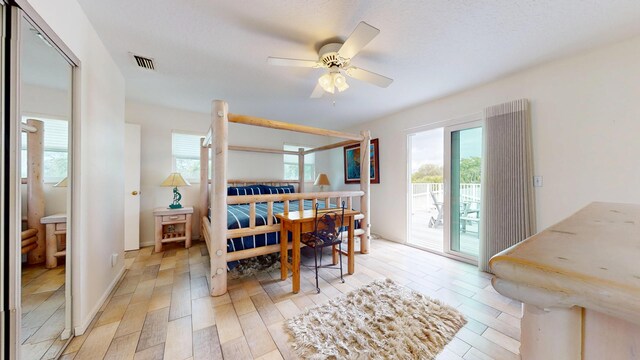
[44, 109]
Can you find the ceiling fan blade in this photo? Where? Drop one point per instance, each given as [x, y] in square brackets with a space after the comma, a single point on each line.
[317, 92]
[368, 76]
[293, 62]
[359, 38]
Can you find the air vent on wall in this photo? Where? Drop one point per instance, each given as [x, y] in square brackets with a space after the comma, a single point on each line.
[144, 62]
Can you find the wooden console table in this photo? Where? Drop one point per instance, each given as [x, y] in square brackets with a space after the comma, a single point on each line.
[300, 222]
[56, 236]
[579, 281]
[172, 225]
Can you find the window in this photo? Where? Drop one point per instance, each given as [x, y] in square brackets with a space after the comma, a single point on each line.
[185, 150]
[56, 145]
[291, 164]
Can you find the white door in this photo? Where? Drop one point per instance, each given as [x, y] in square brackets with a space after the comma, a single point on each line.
[132, 187]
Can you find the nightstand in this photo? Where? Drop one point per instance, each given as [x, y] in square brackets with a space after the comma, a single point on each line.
[172, 225]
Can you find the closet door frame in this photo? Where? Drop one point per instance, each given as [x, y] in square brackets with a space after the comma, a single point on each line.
[23, 9]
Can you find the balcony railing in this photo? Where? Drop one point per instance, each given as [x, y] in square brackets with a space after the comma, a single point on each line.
[422, 200]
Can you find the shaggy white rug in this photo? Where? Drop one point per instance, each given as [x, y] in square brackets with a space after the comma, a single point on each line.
[381, 320]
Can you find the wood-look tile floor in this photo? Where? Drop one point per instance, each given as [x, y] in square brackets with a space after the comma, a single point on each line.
[43, 306]
[162, 310]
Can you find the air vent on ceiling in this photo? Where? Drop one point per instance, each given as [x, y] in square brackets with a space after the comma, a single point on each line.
[144, 62]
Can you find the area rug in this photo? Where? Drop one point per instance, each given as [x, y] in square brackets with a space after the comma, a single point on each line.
[381, 320]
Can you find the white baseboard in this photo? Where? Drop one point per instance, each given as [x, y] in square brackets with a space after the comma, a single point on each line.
[79, 330]
[145, 244]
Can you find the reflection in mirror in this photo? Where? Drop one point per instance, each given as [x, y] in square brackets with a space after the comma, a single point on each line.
[45, 109]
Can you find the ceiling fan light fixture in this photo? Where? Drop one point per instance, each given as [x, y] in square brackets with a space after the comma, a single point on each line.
[326, 82]
[340, 82]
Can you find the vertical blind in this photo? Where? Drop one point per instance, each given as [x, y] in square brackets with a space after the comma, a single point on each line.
[507, 185]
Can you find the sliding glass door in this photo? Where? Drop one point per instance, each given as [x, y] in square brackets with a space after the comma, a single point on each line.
[426, 186]
[444, 185]
[463, 182]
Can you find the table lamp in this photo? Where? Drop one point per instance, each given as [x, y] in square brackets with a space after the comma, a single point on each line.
[174, 180]
[322, 180]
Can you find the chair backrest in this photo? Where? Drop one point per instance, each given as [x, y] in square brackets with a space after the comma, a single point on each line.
[437, 204]
[328, 225]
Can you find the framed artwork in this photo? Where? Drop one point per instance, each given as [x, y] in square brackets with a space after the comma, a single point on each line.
[352, 163]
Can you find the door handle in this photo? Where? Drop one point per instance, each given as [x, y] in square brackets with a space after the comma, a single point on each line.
[134, 193]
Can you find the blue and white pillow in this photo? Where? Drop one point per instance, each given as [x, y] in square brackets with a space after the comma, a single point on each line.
[245, 190]
[287, 189]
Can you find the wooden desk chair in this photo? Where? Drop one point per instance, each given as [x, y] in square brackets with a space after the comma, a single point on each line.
[327, 232]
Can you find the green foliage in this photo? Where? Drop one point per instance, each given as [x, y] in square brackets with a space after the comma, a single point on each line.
[427, 173]
[470, 171]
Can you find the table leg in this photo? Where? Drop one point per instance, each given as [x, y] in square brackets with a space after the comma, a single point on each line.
[158, 232]
[284, 242]
[51, 244]
[351, 245]
[295, 255]
[187, 232]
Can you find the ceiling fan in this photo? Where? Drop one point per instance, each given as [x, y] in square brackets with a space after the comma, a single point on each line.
[336, 57]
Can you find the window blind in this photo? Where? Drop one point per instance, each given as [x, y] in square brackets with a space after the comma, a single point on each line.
[186, 146]
[56, 135]
[56, 145]
[291, 164]
[293, 159]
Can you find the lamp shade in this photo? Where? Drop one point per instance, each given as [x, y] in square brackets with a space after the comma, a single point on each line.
[175, 180]
[62, 183]
[322, 180]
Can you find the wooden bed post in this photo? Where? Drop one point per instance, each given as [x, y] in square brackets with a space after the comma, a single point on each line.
[301, 171]
[35, 189]
[204, 178]
[218, 231]
[365, 182]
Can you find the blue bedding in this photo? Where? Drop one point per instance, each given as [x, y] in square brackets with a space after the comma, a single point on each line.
[238, 218]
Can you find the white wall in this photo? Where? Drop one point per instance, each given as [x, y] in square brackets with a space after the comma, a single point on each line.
[157, 124]
[99, 161]
[586, 121]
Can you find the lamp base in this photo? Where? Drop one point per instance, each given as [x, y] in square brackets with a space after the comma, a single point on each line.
[176, 199]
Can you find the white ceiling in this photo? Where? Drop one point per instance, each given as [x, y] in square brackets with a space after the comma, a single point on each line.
[208, 50]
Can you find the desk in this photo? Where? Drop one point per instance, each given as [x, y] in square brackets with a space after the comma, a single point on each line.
[55, 238]
[172, 225]
[299, 222]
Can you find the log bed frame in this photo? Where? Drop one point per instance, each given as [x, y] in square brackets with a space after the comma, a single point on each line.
[33, 239]
[215, 232]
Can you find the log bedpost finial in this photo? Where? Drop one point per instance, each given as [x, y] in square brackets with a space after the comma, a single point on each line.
[218, 231]
[365, 184]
